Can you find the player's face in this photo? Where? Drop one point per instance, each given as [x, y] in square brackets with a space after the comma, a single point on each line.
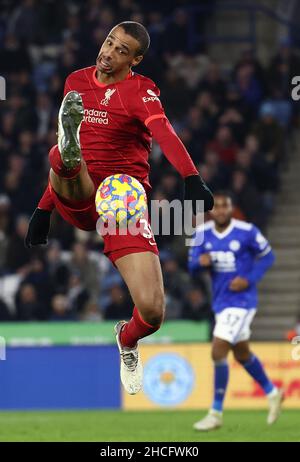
[222, 211]
[118, 52]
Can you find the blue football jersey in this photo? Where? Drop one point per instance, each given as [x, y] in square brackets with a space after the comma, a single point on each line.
[240, 250]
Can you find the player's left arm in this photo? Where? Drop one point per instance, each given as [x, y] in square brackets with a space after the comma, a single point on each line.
[262, 253]
[177, 155]
[151, 112]
[263, 259]
[195, 251]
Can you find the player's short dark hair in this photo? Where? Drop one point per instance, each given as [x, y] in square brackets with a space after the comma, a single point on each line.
[224, 193]
[139, 32]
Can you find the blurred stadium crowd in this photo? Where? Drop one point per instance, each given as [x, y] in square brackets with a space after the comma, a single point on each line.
[232, 123]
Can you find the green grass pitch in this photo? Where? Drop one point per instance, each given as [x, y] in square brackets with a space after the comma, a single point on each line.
[120, 426]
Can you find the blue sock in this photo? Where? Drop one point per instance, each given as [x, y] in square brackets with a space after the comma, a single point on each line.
[221, 381]
[255, 368]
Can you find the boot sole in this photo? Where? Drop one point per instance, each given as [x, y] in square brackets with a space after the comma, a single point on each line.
[70, 118]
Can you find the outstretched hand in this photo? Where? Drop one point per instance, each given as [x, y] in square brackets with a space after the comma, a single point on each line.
[38, 228]
[196, 189]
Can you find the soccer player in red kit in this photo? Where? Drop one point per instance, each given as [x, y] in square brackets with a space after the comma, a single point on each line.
[106, 121]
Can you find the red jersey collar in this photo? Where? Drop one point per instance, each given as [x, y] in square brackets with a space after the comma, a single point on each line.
[99, 84]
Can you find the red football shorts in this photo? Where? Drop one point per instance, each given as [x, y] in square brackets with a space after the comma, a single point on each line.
[83, 215]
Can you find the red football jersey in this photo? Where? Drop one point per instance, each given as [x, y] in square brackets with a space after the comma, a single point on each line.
[114, 136]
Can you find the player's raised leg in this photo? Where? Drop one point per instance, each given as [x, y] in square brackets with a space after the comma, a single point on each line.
[68, 175]
[214, 418]
[254, 367]
[142, 274]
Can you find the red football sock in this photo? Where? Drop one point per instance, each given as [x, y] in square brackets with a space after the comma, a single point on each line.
[135, 329]
[59, 168]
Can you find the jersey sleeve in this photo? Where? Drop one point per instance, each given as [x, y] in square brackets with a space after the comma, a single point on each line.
[257, 243]
[146, 105]
[263, 256]
[197, 248]
[147, 108]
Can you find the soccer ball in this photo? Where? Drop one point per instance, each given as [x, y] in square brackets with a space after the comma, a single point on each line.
[121, 200]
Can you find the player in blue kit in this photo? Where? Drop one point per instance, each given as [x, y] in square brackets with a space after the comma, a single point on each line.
[237, 256]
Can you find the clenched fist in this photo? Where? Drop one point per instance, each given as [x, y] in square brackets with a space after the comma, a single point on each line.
[205, 260]
[239, 284]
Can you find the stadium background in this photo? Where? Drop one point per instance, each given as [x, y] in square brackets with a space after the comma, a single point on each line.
[224, 70]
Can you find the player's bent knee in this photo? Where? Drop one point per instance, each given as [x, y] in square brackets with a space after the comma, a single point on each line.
[242, 357]
[154, 318]
[153, 314]
[152, 308]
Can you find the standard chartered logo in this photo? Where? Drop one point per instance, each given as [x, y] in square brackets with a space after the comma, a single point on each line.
[95, 116]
